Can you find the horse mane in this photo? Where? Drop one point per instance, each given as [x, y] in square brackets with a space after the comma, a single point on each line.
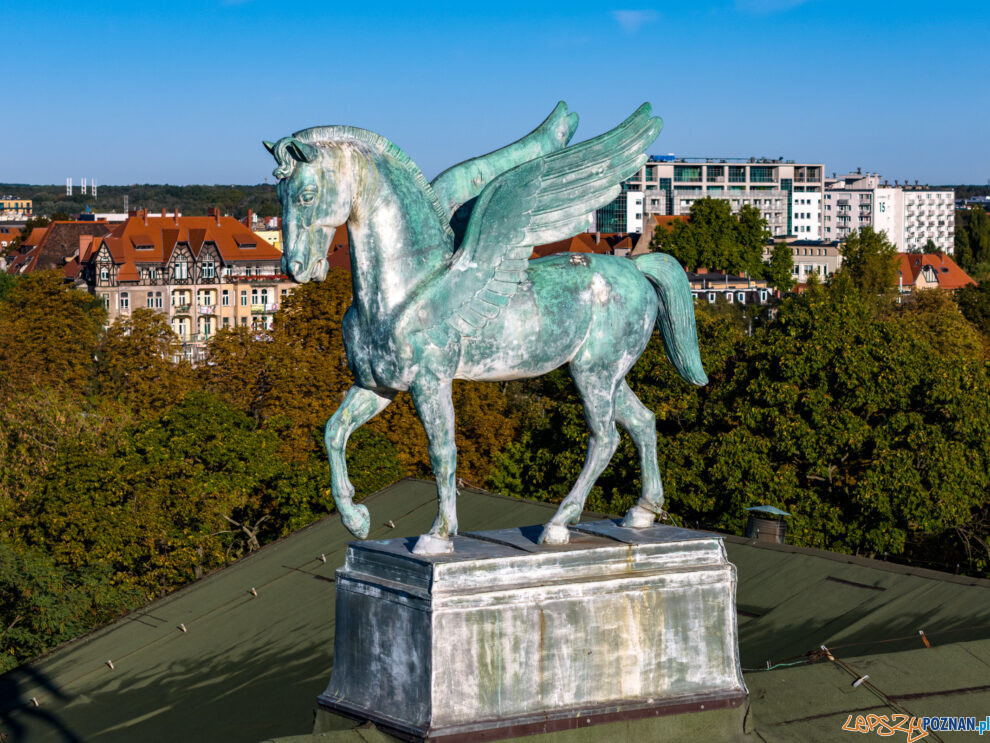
[328, 135]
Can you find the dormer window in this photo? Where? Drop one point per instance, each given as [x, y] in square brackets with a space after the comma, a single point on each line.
[207, 269]
[181, 269]
[104, 273]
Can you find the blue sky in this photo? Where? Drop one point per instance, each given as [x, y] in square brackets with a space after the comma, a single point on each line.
[183, 92]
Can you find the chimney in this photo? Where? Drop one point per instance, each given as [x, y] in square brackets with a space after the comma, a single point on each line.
[163, 213]
[175, 216]
[766, 524]
[144, 215]
[132, 213]
[250, 219]
[215, 213]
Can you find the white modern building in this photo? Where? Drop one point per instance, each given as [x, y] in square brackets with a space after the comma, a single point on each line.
[668, 185]
[806, 211]
[909, 215]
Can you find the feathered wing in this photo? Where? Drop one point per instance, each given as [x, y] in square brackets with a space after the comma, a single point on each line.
[463, 182]
[546, 199]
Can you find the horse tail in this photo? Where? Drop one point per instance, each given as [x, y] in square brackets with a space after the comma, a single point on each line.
[676, 314]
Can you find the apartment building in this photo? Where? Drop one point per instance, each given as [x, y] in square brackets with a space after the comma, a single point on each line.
[666, 185]
[204, 273]
[14, 208]
[929, 214]
[910, 216]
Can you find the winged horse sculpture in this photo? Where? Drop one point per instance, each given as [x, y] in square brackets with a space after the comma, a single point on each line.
[444, 289]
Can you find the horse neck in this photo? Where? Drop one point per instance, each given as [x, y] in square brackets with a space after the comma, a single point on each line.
[397, 241]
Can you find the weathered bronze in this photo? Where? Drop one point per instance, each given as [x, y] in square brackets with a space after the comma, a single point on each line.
[444, 289]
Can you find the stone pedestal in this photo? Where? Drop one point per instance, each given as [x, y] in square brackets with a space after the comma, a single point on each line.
[506, 637]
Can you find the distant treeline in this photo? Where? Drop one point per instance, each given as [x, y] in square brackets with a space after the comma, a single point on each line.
[195, 200]
[969, 192]
[189, 200]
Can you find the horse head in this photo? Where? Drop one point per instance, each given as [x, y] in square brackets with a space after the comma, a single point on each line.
[317, 191]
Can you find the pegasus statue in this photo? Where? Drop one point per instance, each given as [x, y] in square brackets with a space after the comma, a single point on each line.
[444, 289]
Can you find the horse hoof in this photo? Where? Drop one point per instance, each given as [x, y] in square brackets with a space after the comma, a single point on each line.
[430, 544]
[555, 534]
[638, 517]
[357, 520]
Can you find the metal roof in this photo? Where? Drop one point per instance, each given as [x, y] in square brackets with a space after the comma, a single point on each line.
[249, 667]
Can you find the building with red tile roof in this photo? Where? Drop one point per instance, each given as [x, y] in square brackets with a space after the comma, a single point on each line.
[205, 273]
[582, 243]
[9, 233]
[929, 271]
[53, 246]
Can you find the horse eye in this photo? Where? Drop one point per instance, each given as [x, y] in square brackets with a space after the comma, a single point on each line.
[307, 198]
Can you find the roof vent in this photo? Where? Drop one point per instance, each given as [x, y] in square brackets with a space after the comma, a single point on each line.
[766, 524]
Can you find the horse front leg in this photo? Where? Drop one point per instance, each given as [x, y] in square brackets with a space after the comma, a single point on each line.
[360, 405]
[432, 398]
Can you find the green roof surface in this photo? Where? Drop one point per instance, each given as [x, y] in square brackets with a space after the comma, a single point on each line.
[248, 668]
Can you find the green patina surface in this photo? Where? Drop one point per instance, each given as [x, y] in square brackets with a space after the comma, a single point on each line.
[249, 669]
[443, 289]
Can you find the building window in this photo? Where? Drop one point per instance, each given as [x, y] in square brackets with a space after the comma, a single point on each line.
[285, 292]
[226, 322]
[106, 301]
[243, 297]
[688, 173]
[125, 301]
[207, 269]
[225, 298]
[181, 269]
[104, 273]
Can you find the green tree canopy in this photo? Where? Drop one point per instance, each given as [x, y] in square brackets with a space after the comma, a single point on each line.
[972, 241]
[136, 363]
[779, 272]
[716, 239]
[869, 260]
[49, 334]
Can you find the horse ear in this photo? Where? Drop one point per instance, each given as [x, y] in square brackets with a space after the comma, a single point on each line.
[304, 153]
[270, 146]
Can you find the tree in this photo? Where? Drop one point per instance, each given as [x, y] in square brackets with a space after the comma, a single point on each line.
[715, 239]
[974, 303]
[43, 605]
[135, 363]
[779, 272]
[48, 334]
[6, 284]
[872, 428]
[869, 260]
[972, 241]
[930, 247]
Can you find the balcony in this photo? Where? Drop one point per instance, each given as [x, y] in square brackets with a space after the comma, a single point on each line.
[181, 309]
[207, 309]
[263, 309]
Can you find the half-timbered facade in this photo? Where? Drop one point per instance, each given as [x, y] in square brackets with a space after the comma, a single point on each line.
[205, 273]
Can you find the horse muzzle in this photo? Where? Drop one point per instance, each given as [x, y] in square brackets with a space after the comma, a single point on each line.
[316, 271]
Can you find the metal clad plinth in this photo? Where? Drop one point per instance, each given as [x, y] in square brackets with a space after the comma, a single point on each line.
[505, 635]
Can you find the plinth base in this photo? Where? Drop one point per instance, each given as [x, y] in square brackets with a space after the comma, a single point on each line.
[505, 637]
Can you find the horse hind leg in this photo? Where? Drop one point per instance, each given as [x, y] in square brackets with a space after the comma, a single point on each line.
[641, 424]
[598, 395]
